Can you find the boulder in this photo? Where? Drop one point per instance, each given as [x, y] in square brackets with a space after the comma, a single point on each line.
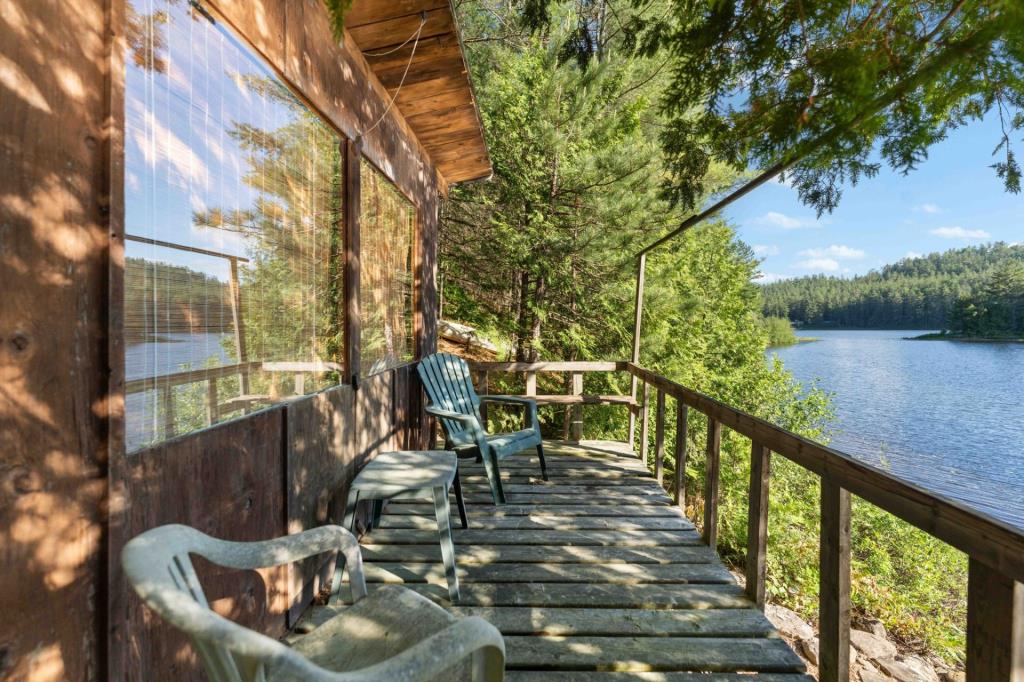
[871, 645]
[953, 676]
[810, 650]
[869, 673]
[908, 669]
[788, 622]
[875, 627]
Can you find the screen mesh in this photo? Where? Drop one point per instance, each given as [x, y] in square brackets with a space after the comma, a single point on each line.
[233, 255]
[387, 223]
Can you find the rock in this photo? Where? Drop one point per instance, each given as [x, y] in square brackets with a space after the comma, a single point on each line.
[908, 669]
[953, 676]
[871, 645]
[875, 627]
[868, 673]
[810, 649]
[788, 622]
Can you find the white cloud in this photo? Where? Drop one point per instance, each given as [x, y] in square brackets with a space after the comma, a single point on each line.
[913, 254]
[818, 265]
[835, 251]
[929, 208]
[783, 221]
[766, 250]
[768, 277]
[957, 232]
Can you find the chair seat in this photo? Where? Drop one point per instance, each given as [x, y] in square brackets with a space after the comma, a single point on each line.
[407, 470]
[502, 443]
[388, 621]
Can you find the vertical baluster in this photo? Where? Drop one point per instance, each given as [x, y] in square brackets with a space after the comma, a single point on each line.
[167, 398]
[576, 427]
[711, 483]
[659, 437]
[834, 585]
[212, 411]
[644, 410]
[757, 522]
[995, 626]
[681, 415]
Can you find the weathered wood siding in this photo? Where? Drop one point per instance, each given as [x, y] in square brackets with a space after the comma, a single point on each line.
[66, 508]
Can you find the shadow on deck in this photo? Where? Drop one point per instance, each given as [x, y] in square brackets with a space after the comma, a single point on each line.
[593, 575]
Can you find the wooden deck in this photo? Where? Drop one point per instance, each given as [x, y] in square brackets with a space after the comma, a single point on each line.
[594, 575]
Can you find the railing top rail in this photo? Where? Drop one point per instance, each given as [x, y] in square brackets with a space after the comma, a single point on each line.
[566, 366]
[984, 538]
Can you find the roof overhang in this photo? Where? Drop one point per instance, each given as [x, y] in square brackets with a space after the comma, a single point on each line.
[436, 97]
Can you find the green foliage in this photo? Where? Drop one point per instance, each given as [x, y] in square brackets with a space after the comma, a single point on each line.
[917, 292]
[996, 309]
[780, 331]
[336, 9]
[544, 255]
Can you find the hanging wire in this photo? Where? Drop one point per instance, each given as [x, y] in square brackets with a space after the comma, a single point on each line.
[412, 54]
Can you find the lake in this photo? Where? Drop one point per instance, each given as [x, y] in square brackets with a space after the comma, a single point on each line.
[945, 415]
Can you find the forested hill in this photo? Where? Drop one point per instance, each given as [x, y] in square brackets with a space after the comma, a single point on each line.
[917, 293]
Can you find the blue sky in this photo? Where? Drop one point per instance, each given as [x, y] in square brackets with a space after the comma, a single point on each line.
[952, 200]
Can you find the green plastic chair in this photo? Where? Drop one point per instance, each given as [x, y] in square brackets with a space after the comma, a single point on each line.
[453, 399]
[391, 634]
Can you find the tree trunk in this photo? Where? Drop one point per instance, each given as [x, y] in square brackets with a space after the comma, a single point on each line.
[539, 292]
[521, 325]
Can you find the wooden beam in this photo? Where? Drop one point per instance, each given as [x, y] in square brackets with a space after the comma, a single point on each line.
[659, 438]
[560, 366]
[834, 585]
[757, 522]
[352, 153]
[714, 445]
[531, 383]
[638, 306]
[995, 626]
[681, 440]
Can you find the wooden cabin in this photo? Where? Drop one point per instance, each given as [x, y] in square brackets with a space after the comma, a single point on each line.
[218, 230]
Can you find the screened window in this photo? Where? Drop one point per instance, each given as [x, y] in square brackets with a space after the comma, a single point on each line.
[233, 254]
[387, 223]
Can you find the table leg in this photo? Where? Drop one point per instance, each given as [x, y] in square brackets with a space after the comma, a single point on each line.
[444, 530]
[459, 500]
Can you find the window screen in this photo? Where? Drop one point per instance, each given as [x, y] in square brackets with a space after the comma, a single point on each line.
[233, 256]
[387, 222]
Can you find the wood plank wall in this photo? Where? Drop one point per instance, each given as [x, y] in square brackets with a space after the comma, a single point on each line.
[61, 391]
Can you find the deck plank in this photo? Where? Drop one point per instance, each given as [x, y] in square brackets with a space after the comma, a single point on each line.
[552, 573]
[592, 576]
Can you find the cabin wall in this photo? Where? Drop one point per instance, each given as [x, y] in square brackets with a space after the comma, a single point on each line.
[66, 507]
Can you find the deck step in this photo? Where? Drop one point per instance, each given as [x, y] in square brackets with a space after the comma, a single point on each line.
[543, 522]
[393, 572]
[592, 676]
[518, 620]
[492, 511]
[621, 538]
[497, 554]
[641, 654]
[602, 595]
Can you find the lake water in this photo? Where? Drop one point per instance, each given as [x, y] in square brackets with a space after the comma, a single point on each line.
[945, 415]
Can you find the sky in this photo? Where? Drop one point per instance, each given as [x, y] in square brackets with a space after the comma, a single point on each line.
[953, 199]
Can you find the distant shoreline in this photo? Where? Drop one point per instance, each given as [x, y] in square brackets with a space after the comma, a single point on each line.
[964, 339]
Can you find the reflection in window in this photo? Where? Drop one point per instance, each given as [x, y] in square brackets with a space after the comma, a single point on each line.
[387, 222]
[232, 199]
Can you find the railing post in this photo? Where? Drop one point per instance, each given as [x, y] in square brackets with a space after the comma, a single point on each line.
[576, 424]
[211, 401]
[834, 584]
[531, 383]
[644, 410]
[995, 626]
[757, 522]
[681, 414]
[711, 483]
[659, 437]
[167, 398]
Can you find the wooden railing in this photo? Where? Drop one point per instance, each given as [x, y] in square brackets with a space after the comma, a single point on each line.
[995, 610]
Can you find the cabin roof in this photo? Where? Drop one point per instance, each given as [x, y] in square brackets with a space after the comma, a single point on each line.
[436, 98]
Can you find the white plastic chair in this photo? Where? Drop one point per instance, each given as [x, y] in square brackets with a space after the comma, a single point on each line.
[391, 634]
